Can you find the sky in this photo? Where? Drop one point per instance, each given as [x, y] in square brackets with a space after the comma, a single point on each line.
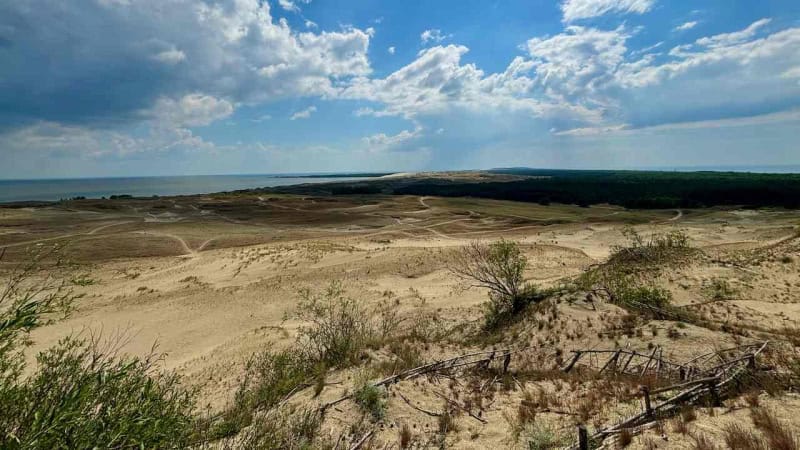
[92, 88]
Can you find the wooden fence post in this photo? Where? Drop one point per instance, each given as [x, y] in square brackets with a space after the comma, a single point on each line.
[583, 437]
[648, 409]
[712, 388]
[572, 363]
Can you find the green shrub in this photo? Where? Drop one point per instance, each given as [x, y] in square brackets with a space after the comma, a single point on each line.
[339, 328]
[371, 399]
[269, 377]
[654, 249]
[542, 437]
[282, 430]
[498, 267]
[82, 396]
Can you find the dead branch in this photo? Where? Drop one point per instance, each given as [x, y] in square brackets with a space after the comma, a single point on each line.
[425, 411]
[461, 407]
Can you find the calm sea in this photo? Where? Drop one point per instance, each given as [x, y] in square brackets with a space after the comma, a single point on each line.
[56, 189]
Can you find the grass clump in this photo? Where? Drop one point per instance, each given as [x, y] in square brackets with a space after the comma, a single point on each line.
[738, 437]
[658, 248]
[371, 399]
[776, 433]
[539, 436]
[282, 430]
[269, 378]
[340, 328]
[720, 289]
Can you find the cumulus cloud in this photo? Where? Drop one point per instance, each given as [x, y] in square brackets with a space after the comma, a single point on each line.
[383, 142]
[721, 76]
[587, 79]
[391, 50]
[573, 10]
[437, 82]
[434, 35]
[303, 114]
[191, 110]
[134, 53]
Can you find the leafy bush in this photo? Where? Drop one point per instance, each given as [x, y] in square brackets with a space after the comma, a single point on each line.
[371, 399]
[339, 328]
[269, 377]
[541, 437]
[499, 267]
[81, 394]
[654, 249]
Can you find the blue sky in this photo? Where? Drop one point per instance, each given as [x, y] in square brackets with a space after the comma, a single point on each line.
[162, 87]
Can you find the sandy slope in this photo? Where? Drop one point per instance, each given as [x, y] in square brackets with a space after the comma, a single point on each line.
[212, 294]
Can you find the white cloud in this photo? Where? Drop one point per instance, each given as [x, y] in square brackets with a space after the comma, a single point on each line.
[383, 142]
[288, 5]
[191, 110]
[727, 39]
[586, 9]
[586, 79]
[303, 114]
[391, 50]
[748, 121]
[262, 118]
[237, 51]
[686, 26]
[433, 35]
[173, 56]
[576, 65]
[437, 82]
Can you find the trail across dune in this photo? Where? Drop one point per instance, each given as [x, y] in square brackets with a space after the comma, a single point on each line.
[66, 236]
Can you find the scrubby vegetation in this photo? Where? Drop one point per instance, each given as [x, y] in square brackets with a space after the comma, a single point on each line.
[627, 278]
[500, 268]
[81, 393]
[337, 332]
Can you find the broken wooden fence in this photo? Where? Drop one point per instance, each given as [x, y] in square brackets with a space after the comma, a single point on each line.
[707, 376]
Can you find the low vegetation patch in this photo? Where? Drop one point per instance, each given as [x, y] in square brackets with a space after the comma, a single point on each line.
[498, 267]
[81, 393]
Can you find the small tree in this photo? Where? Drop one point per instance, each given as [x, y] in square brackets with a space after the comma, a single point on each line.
[499, 267]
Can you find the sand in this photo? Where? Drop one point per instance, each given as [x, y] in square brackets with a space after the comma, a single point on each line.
[211, 280]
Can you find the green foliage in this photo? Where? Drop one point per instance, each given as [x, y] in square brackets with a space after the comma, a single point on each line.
[339, 328]
[631, 189]
[80, 394]
[541, 437]
[82, 280]
[337, 332]
[83, 396]
[269, 378]
[720, 290]
[371, 399]
[282, 430]
[35, 295]
[652, 250]
[500, 268]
